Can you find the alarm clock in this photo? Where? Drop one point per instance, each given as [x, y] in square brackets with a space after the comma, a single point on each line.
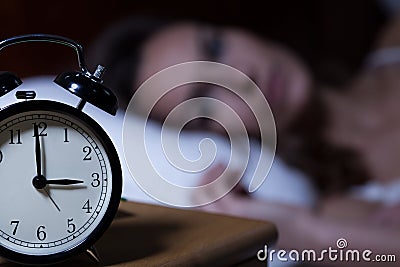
[60, 175]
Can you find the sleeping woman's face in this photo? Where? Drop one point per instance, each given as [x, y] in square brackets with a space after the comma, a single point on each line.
[280, 75]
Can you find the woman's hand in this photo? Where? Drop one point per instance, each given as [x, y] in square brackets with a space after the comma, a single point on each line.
[232, 202]
[290, 220]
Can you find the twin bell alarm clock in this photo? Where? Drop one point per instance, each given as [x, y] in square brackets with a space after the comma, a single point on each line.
[60, 175]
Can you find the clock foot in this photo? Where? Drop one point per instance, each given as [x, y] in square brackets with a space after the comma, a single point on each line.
[93, 254]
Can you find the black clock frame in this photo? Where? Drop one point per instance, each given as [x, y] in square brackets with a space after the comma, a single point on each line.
[54, 106]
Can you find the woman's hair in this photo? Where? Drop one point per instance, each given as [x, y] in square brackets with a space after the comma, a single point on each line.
[332, 168]
[118, 49]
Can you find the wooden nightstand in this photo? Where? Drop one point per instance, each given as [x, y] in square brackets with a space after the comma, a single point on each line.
[150, 235]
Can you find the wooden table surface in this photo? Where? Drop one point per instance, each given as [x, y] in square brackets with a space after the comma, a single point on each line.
[150, 235]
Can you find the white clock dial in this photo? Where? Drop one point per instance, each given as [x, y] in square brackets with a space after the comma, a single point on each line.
[76, 182]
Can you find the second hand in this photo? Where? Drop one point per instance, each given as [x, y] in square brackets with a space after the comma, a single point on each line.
[52, 200]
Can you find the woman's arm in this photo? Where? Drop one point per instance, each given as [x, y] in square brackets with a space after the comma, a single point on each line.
[304, 229]
[301, 229]
[359, 235]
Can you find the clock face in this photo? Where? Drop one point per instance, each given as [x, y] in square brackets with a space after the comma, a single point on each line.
[60, 181]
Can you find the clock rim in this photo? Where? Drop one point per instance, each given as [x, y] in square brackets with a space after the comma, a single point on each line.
[109, 148]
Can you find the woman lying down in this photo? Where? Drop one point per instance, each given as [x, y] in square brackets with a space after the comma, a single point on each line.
[345, 141]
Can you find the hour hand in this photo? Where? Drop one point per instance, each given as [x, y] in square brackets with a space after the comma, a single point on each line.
[63, 181]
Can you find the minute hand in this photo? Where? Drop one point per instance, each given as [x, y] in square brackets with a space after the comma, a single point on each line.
[38, 157]
[63, 181]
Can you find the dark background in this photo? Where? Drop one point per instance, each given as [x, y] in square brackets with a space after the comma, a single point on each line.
[332, 36]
